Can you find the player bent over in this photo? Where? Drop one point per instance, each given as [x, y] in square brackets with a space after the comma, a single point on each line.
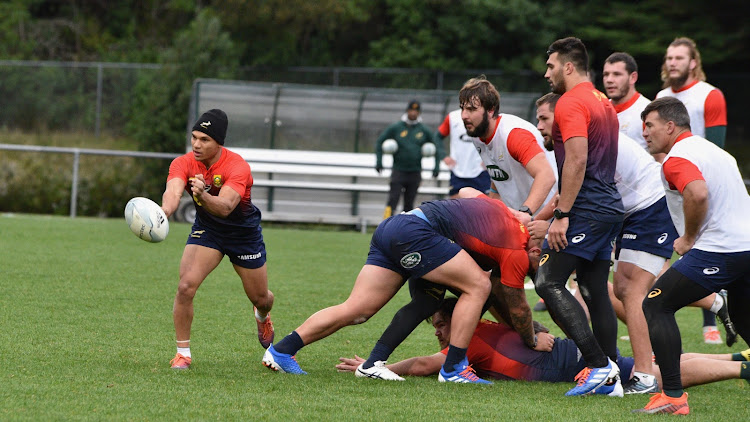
[421, 243]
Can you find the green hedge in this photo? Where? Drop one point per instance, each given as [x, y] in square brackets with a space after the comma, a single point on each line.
[40, 183]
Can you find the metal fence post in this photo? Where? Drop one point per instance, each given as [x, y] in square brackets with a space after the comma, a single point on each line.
[74, 183]
[99, 72]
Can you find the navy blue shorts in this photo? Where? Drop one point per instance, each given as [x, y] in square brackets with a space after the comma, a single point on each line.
[648, 230]
[715, 270]
[480, 183]
[244, 248]
[588, 238]
[565, 362]
[408, 245]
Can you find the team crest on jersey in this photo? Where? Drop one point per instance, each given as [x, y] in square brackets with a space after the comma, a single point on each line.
[419, 135]
[411, 260]
[403, 134]
[217, 180]
[496, 173]
[599, 95]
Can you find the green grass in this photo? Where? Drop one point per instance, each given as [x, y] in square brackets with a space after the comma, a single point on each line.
[86, 334]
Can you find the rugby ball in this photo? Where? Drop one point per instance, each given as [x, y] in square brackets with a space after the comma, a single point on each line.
[428, 149]
[146, 219]
[390, 146]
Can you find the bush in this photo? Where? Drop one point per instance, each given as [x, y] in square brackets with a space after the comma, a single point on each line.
[40, 183]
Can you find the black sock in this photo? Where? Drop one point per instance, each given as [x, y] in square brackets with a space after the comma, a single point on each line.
[742, 356]
[455, 356]
[290, 344]
[745, 371]
[379, 352]
[709, 318]
[675, 394]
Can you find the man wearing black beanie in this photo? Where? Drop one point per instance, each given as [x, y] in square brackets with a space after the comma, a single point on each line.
[226, 223]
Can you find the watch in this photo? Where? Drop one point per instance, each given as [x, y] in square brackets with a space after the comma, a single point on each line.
[559, 214]
[526, 209]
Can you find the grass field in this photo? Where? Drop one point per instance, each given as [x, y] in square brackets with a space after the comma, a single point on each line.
[86, 334]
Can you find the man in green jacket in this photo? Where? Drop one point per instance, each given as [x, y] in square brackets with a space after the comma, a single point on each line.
[406, 175]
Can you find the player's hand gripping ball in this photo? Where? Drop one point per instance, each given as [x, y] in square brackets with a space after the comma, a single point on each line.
[390, 146]
[146, 219]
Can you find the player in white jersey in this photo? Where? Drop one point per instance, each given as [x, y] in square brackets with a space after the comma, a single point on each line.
[523, 173]
[708, 200]
[684, 79]
[619, 77]
[467, 169]
[641, 250]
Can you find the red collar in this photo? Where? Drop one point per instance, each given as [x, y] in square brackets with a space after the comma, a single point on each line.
[619, 108]
[686, 87]
[488, 140]
[682, 136]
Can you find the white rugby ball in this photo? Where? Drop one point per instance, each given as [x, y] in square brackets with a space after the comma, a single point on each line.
[428, 149]
[390, 146]
[146, 219]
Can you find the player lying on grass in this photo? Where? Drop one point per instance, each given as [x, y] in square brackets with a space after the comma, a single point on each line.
[497, 352]
[431, 242]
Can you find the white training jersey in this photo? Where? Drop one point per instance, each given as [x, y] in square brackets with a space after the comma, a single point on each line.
[510, 177]
[637, 175]
[726, 228]
[694, 99]
[629, 116]
[468, 162]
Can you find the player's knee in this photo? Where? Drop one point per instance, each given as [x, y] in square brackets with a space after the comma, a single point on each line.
[651, 304]
[619, 287]
[479, 285]
[186, 290]
[543, 285]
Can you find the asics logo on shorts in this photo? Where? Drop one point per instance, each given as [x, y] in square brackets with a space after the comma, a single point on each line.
[710, 271]
[411, 260]
[578, 238]
[654, 293]
[544, 259]
[663, 238]
[197, 233]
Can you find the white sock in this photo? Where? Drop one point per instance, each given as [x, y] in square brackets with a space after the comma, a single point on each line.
[718, 303]
[646, 379]
[709, 328]
[260, 318]
[184, 351]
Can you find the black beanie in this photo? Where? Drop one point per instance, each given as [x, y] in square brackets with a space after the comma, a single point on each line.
[214, 124]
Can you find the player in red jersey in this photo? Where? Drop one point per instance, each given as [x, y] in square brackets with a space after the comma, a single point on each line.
[588, 217]
[498, 352]
[226, 223]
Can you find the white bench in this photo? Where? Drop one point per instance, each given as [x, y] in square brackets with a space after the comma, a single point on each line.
[328, 187]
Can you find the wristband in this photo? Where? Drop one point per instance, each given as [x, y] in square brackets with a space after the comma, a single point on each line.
[493, 190]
